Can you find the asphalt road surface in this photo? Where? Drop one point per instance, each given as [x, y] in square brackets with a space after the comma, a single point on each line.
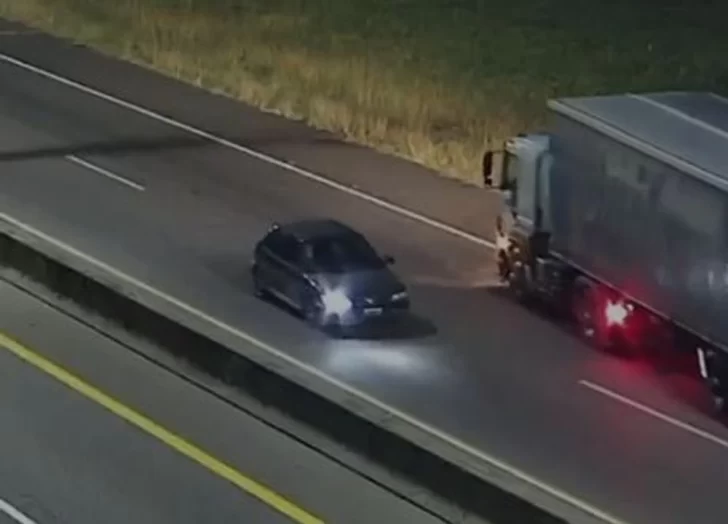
[71, 455]
[182, 212]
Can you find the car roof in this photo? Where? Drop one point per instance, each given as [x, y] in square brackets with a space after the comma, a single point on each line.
[310, 229]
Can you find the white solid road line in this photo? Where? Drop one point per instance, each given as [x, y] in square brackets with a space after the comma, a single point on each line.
[104, 172]
[315, 372]
[654, 413]
[418, 217]
[14, 513]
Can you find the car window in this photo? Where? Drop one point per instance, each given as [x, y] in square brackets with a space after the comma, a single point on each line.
[343, 253]
[282, 245]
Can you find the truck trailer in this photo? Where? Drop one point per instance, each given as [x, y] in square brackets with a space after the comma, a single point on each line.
[617, 218]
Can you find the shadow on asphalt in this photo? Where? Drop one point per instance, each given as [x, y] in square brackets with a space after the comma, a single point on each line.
[407, 327]
[106, 148]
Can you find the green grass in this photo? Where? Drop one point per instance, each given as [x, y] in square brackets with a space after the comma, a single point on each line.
[430, 80]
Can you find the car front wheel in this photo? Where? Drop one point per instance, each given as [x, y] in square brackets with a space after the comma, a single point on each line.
[313, 310]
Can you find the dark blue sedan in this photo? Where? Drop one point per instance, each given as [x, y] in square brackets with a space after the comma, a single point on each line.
[328, 272]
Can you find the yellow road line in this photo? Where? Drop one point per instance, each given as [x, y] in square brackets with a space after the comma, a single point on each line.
[247, 484]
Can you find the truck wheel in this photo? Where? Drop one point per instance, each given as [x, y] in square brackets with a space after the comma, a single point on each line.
[719, 404]
[504, 269]
[517, 283]
[586, 310]
[583, 308]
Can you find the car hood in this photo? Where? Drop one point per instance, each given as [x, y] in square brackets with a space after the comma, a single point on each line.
[377, 285]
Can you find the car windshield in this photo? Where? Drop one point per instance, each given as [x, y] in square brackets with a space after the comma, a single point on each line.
[344, 253]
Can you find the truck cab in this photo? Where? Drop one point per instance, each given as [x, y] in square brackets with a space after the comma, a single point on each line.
[524, 179]
[524, 223]
[606, 217]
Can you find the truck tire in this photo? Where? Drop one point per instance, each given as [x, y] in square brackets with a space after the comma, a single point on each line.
[517, 282]
[586, 308]
[582, 309]
[720, 405]
[708, 361]
[504, 268]
[719, 400]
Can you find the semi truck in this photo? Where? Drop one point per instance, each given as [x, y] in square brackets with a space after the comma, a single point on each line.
[616, 217]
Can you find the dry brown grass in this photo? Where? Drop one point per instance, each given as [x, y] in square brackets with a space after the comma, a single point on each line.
[426, 80]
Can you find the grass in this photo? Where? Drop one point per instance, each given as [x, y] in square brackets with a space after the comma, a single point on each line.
[430, 80]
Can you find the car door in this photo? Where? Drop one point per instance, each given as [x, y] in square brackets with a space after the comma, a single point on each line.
[275, 260]
[301, 285]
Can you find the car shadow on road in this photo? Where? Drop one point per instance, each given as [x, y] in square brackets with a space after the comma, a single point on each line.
[408, 327]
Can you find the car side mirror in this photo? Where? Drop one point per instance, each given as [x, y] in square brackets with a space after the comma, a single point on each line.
[388, 259]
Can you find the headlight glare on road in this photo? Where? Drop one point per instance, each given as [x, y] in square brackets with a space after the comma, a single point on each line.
[335, 302]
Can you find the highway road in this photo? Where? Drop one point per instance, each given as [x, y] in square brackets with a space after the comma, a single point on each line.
[181, 211]
[106, 448]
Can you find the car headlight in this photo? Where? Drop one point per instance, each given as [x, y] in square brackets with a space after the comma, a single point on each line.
[399, 296]
[335, 302]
